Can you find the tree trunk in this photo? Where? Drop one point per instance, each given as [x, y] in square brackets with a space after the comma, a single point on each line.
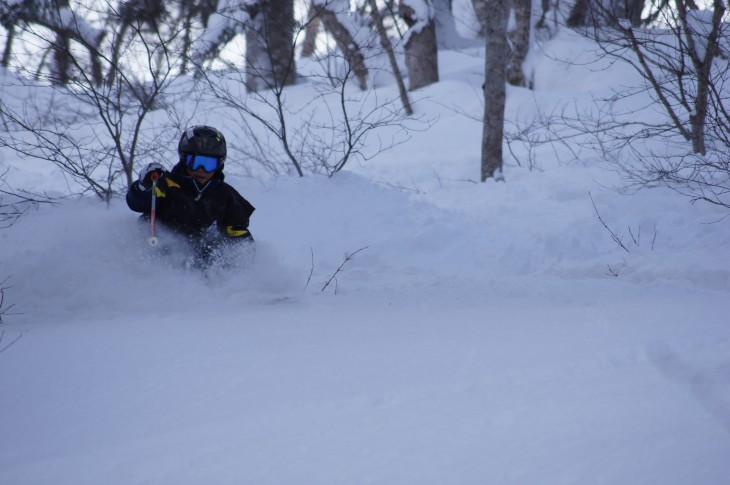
[634, 8]
[187, 12]
[520, 42]
[345, 42]
[579, 14]
[8, 52]
[310, 32]
[495, 93]
[385, 41]
[97, 74]
[545, 7]
[270, 46]
[482, 10]
[703, 66]
[446, 34]
[61, 60]
[116, 43]
[420, 47]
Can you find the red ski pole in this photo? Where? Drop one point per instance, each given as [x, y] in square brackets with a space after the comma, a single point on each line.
[153, 241]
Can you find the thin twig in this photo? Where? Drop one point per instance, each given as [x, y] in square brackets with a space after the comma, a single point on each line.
[311, 270]
[3, 311]
[348, 257]
[613, 235]
[2, 334]
[636, 238]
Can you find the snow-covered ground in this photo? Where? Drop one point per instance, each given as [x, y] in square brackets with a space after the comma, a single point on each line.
[476, 336]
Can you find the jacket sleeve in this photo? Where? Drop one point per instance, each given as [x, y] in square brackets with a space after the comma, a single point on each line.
[238, 213]
[139, 200]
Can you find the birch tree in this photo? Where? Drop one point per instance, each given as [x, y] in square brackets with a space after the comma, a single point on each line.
[446, 34]
[482, 11]
[65, 26]
[520, 42]
[583, 11]
[221, 23]
[347, 29]
[270, 58]
[420, 44]
[518, 35]
[495, 93]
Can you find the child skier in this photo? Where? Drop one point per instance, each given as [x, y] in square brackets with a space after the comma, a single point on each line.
[192, 199]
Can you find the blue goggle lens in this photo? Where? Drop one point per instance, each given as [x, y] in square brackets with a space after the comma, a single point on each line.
[208, 164]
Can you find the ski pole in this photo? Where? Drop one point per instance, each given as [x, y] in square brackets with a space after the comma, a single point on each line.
[153, 241]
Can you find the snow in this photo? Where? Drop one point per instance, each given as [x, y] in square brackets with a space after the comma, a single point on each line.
[476, 337]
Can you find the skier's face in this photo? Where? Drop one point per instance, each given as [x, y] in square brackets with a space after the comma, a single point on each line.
[200, 175]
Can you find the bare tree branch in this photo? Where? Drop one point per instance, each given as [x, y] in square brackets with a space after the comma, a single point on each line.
[348, 257]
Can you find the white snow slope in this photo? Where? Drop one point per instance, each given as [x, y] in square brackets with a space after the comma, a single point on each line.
[477, 337]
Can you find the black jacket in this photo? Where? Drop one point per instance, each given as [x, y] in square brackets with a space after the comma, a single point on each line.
[189, 209]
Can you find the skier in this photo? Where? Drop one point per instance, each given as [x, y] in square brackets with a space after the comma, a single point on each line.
[192, 199]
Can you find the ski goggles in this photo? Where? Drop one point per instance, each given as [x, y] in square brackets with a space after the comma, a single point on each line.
[207, 163]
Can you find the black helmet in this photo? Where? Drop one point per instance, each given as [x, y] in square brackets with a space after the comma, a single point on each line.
[202, 140]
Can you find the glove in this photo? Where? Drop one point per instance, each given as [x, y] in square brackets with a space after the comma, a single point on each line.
[147, 173]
